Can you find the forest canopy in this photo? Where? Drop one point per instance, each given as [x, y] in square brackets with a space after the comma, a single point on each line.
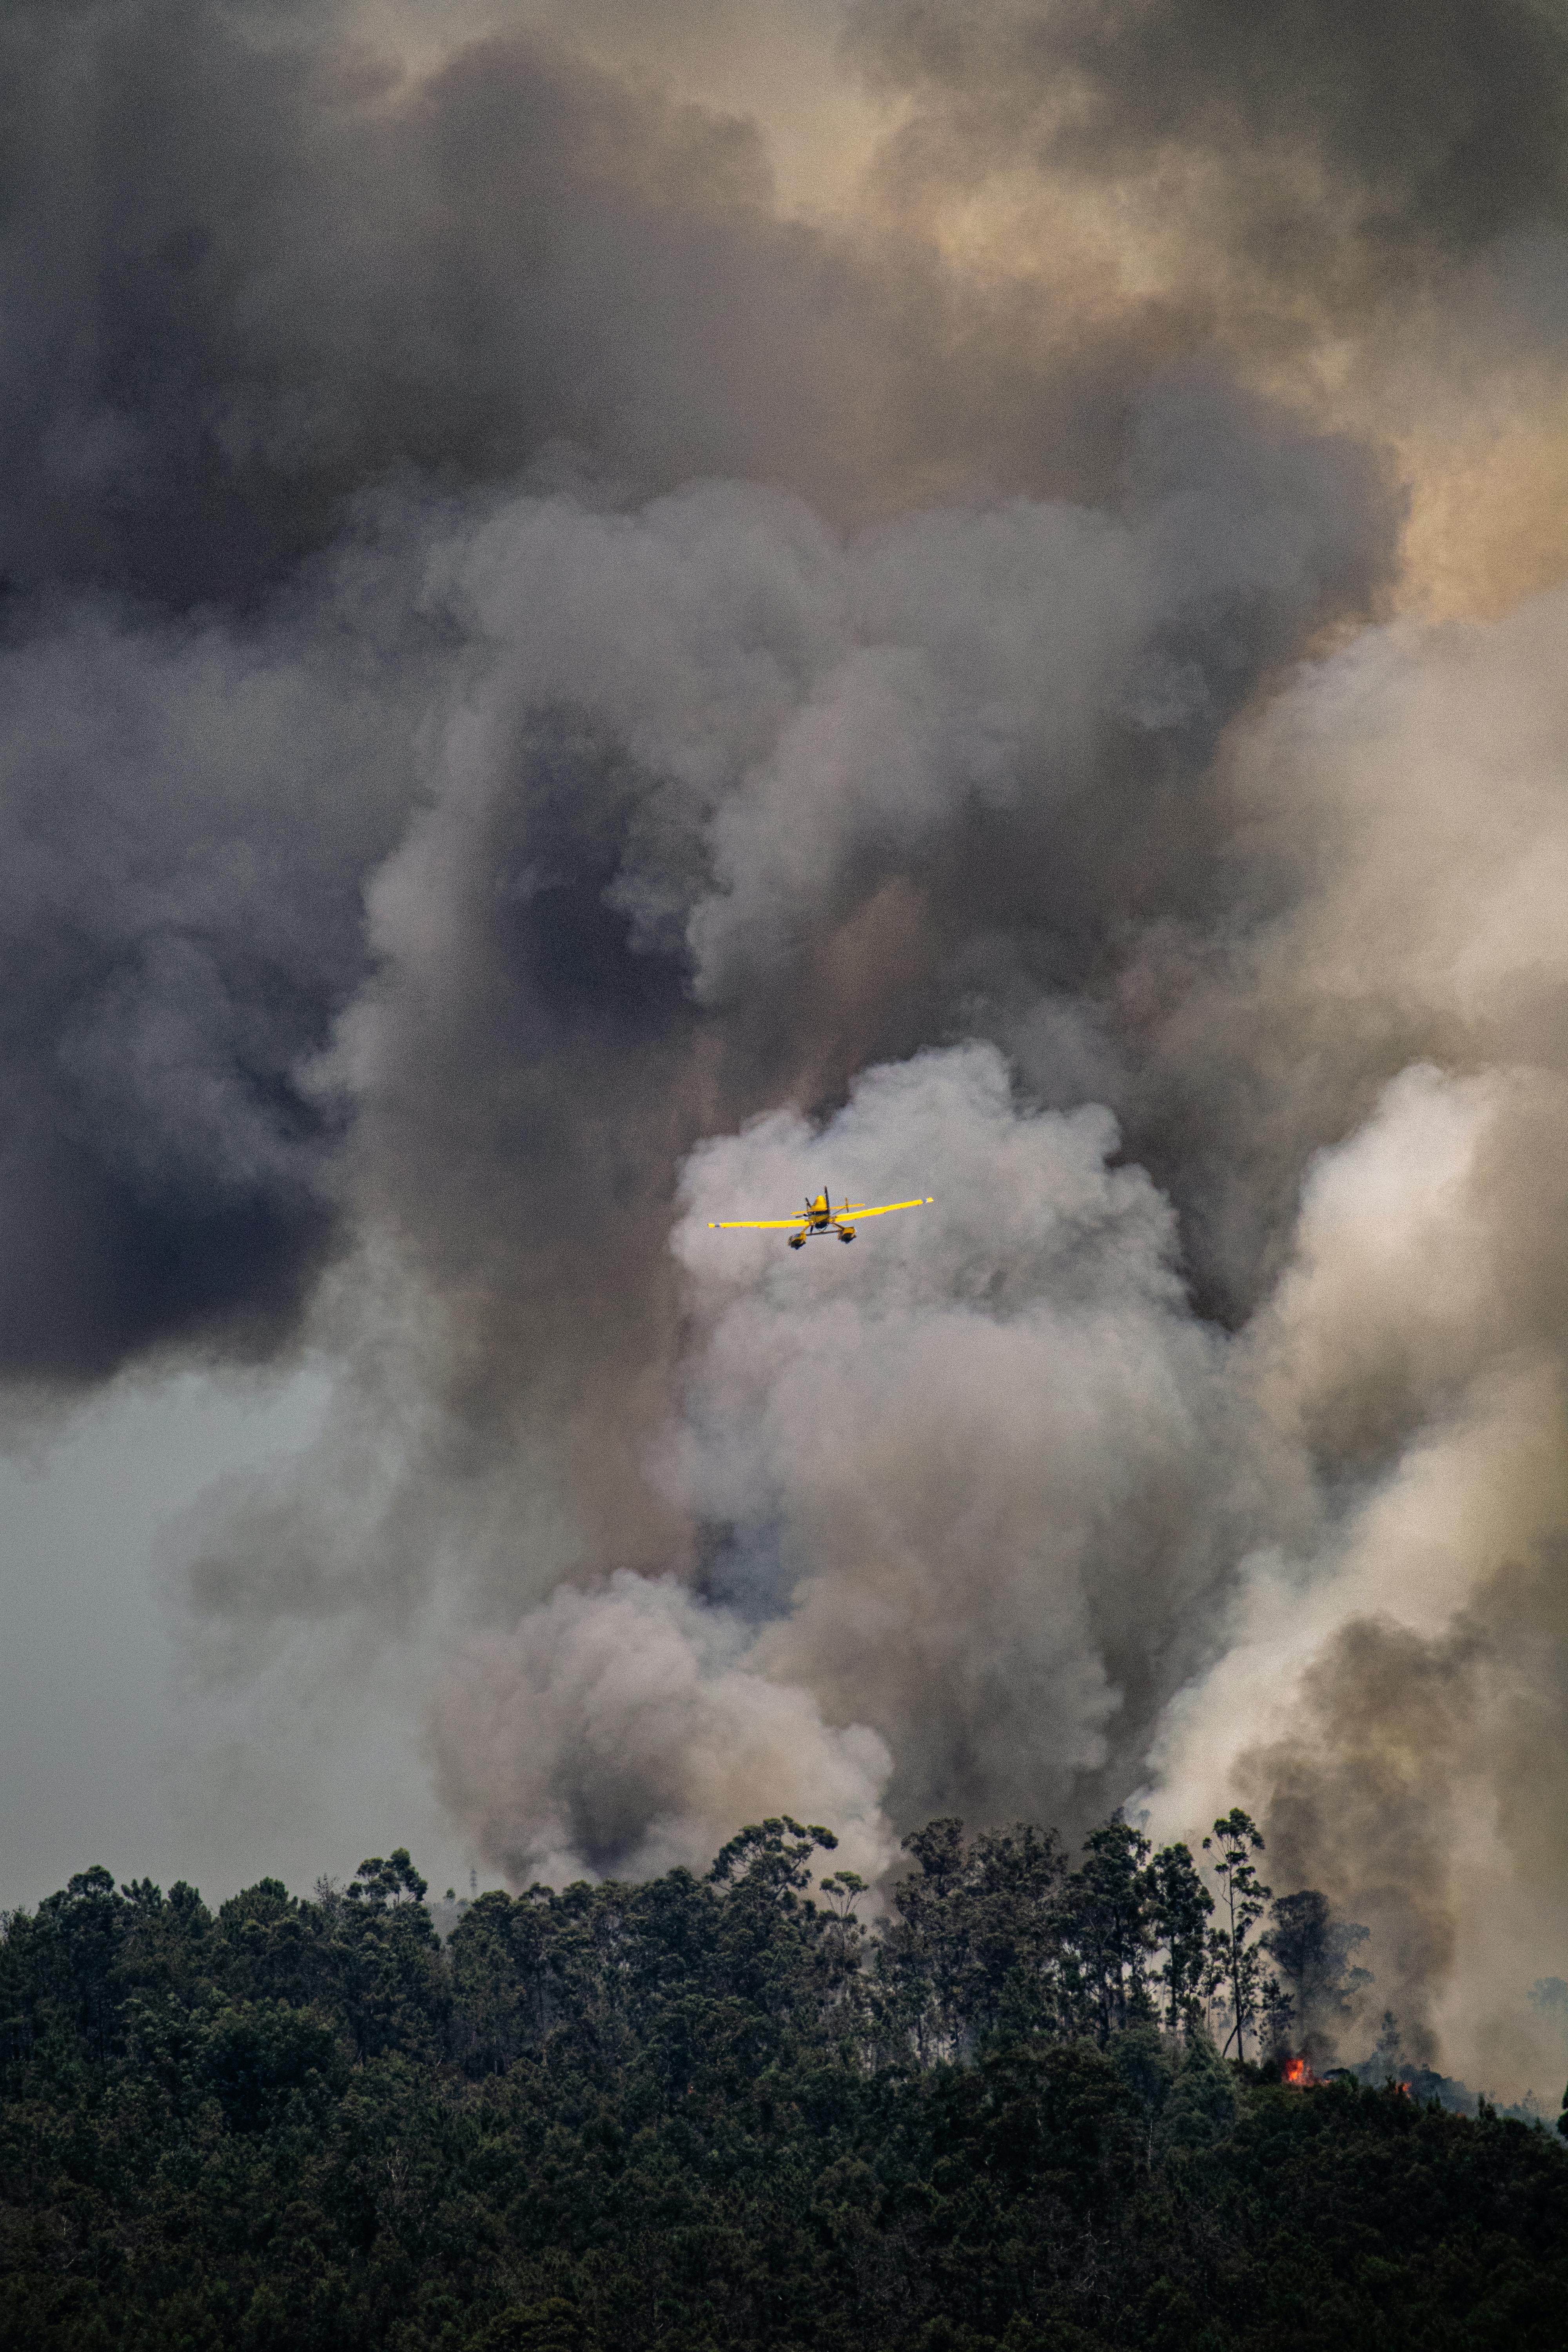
[1037, 2101]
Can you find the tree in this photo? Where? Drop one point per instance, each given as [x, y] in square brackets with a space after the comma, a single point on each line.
[769, 1943]
[842, 1891]
[1015, 1923]
[923, 1959]
[1105, 1914]
[771, 1858]
[1313, 1952]
[382, 1885]
[1180, 1906]
[1277, 2009]
[499, 1957]
[385, 1956]
[79, 1937]
[974, 1944]
[1237, 1965]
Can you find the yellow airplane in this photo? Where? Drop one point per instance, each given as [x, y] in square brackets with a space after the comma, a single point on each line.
[819, 1216]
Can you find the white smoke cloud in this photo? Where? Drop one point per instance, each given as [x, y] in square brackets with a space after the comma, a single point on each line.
[982, 1472]
[628, 1730]
[974, 1480]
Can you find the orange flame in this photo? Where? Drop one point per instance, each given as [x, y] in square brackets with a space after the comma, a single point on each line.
[1297, 2073]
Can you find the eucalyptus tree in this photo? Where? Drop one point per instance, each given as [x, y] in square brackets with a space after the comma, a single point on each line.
[1180, 1907]
[1238, 1962]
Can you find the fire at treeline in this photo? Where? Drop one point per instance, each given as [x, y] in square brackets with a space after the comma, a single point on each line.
[1036, 2102]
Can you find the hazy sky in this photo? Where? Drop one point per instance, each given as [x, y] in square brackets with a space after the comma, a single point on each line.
[613, 612]
[113, 1749]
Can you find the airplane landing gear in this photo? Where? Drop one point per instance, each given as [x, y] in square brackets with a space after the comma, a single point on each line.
[846, 1237]
[797, 1241]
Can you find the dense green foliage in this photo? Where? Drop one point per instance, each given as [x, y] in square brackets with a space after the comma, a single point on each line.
[714, 2113]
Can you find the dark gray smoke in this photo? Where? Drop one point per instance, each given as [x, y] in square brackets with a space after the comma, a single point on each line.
[188, 813]
[252, 267]
[546, 698]
[253, 276]
[1342, 147]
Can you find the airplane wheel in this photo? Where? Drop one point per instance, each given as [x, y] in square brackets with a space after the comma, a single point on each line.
[846, 1238]
[799, 1242]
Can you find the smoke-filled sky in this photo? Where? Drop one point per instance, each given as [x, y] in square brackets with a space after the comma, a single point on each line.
[612, 613]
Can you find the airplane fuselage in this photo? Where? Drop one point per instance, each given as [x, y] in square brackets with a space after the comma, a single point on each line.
[821, 1220]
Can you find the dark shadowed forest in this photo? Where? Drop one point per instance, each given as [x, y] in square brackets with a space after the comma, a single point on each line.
[1043, 2102]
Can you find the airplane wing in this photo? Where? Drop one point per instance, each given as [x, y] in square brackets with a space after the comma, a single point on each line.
[858, 1209]
[754, 1224]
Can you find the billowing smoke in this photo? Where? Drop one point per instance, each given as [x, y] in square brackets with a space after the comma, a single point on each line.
[553, 691]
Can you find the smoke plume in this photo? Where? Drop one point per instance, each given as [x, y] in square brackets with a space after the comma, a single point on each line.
[580, 656]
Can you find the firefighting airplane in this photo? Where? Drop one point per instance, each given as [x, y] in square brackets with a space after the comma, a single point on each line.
[819, 1216]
